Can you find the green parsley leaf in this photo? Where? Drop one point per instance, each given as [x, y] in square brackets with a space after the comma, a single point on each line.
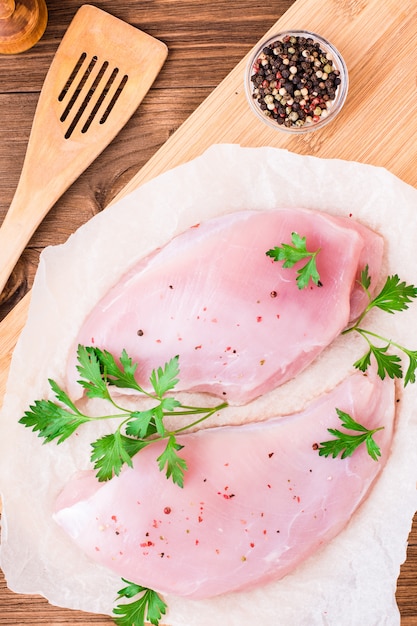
[52, 421]
[309, 271]
[395, 295]
[111, 452]
[148, 608]
[372, 447]
[141, 424]
[63, 397]
[349, 422]
[165, 379]
[159, 420]
[170, 404]
[410, 375]
[174, 464]
[365, 279]
[292, 254]
[91, 373]
[344, 443]
[124, 376]
[364, 362]
[388, 364]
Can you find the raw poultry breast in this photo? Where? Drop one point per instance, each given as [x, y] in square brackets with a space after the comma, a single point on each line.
[236, 318]
[257, 498]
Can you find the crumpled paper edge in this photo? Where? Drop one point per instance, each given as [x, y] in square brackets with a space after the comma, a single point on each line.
[353, 579]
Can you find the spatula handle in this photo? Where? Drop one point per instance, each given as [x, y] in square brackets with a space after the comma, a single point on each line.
[22, 219]
[9, 251]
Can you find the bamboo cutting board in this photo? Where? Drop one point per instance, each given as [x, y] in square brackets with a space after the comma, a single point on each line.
[376, 126]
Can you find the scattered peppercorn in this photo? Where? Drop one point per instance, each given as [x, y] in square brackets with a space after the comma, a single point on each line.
[295, 81]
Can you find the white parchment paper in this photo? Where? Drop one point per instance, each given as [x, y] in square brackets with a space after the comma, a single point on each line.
[350, 582]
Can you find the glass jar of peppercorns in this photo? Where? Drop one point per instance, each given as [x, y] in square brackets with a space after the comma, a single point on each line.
[296, 81]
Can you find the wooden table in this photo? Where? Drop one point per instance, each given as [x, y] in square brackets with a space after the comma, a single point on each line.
[205, 41]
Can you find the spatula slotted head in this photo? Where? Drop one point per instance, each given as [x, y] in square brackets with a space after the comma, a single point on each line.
[99, 96]
[100, 73]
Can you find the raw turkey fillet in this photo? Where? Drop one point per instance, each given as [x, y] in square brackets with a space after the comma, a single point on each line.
[257, 498]
[236, 318]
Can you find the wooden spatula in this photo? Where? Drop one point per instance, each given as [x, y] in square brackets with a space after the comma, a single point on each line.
[99, 75]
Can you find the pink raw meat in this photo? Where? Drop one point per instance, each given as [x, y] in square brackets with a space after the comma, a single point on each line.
[234, 316]
[257, 499]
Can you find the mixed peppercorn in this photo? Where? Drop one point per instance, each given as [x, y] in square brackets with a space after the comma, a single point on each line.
[295, 81]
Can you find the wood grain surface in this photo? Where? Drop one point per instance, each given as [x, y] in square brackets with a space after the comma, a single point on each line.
[206, 42]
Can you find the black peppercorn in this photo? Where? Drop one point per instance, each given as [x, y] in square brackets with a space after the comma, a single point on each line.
[294, 81]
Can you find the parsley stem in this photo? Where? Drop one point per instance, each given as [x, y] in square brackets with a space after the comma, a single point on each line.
[209, 414]
[189, 410]
[360, 318]
[109, 417]
[364, 332]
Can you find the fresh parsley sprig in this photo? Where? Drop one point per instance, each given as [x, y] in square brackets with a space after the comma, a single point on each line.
[394, 296]
[345, 443]
[148, 607]
[292, 254]
[137, 429]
